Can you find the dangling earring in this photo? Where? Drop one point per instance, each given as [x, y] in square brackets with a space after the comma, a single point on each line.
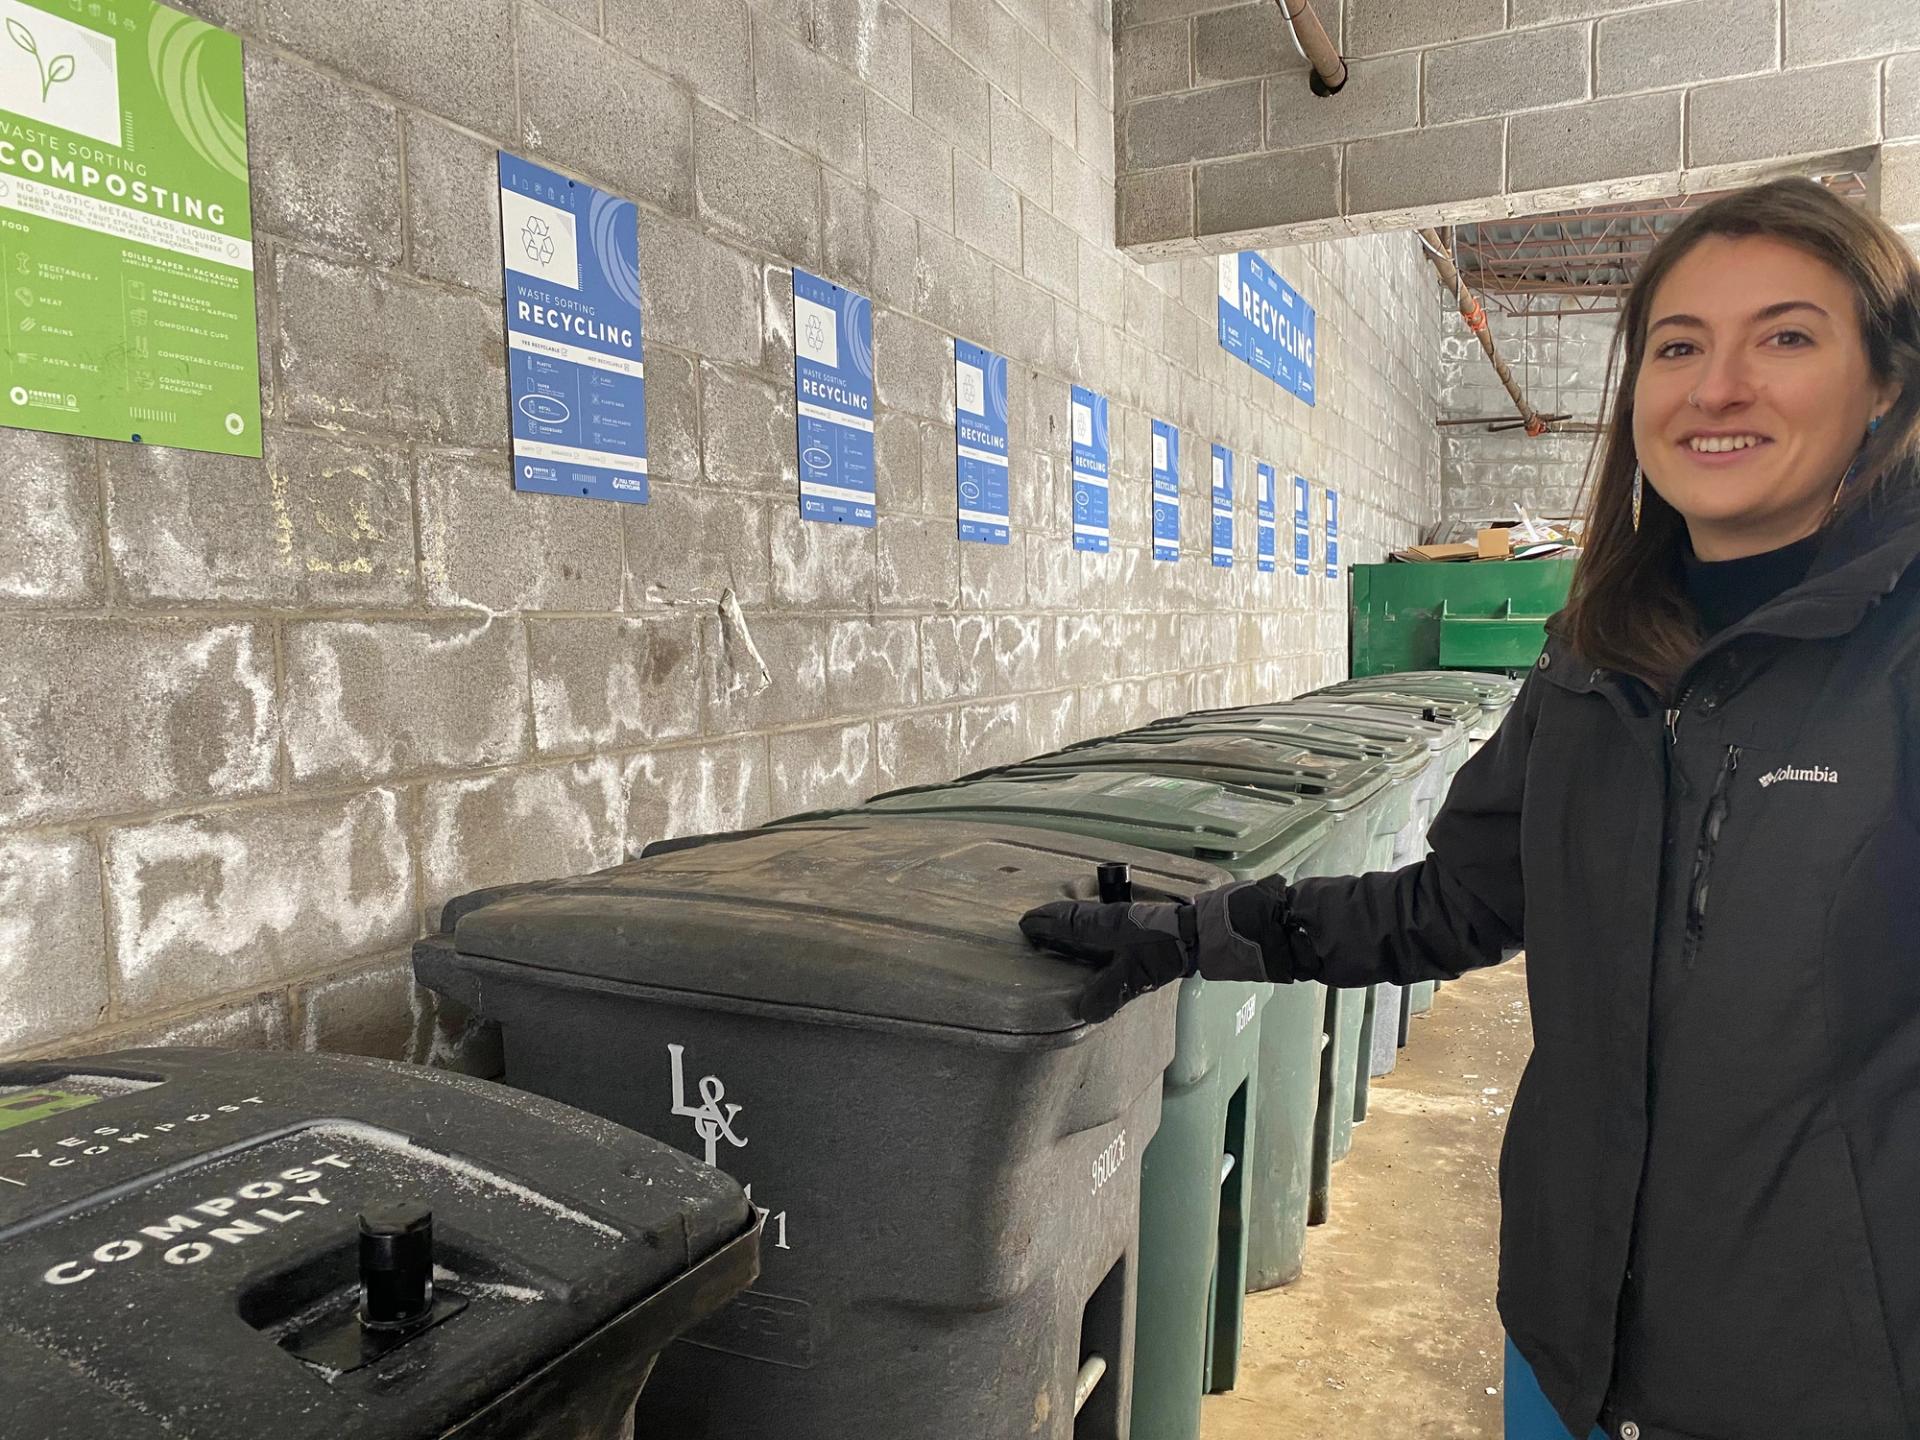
[1639, 484]
[1873, 425]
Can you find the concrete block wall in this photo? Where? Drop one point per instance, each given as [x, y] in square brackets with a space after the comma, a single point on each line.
[264, 718]
[1463, 110]
[1561, 363]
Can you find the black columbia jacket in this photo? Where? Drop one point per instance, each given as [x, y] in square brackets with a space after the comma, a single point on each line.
[1711, 1180]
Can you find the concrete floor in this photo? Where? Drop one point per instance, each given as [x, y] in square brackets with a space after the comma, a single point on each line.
[1391, 1332]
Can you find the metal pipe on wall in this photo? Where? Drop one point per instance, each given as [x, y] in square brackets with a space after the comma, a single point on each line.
[1475, 315]
[1310, 36]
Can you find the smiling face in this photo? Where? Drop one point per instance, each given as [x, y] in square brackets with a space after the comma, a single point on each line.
[1754, 393]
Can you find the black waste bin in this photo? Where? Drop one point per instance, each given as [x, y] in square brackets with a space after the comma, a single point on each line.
[846, 1016]
[226, 1244]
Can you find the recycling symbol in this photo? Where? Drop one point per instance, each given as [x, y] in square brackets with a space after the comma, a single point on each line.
[537, 240]
[816, 335]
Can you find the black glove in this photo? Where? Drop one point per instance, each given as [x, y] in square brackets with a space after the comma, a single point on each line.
[1141, 945]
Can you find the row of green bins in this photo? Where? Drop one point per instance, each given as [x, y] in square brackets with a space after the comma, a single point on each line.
[1198, 1185]
[1354, 793]
[1409, 757]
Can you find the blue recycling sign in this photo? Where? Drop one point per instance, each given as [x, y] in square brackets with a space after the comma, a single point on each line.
[1092, 456]
[980, 442]
[1266, 516]
[1302, 534]
[1267, 323]
[833, 395]
[1166, 491]
[1333, 535]
[1222, 507]
[575, 376]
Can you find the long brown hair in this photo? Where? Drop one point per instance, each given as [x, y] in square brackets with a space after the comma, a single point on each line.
[1628, 610]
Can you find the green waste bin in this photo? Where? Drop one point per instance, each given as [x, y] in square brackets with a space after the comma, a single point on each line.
[1406, 759]
[1235, 1124]
[1493, 695]
[1351, 792]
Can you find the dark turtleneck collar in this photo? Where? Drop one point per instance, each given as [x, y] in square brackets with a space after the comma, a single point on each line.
[1725, 592]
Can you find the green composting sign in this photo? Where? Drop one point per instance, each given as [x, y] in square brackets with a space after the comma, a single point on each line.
[126, 241]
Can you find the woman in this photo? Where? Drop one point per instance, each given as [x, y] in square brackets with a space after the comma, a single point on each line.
[1700, 822]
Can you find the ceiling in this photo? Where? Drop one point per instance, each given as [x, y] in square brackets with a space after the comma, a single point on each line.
[1578, 262]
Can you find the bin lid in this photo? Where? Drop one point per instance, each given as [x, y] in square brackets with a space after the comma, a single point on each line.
[1435, 735]
[1446, 709]
[856, 916]
[1251, 832]
[1430, 682]
[1403, 754]
[179, 1242]
[1279, 764]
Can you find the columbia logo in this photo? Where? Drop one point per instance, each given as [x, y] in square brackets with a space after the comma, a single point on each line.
[1817, 775]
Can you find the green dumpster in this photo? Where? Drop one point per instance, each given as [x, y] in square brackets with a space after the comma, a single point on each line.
[1200, 1183]
[1478, 616]
[1351, 791]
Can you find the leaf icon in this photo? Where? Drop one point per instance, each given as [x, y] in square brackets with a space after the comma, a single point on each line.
[60, 69]
[22, 37]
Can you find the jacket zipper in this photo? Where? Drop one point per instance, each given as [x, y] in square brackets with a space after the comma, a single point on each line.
[1710, 827]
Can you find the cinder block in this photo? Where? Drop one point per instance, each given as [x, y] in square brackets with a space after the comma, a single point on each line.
[451, 60]
[913, 366]
[1156, 59]
[806, 100]
[764, 193]
[991, 39]
[1247, 42]
[1804, 112]
[821, 566]
[821, 769]
[1093, 124]
[952, 282]
[54, 961]
[993, 734]
[582, 104]
[688, 546]
[1380, 96]
[1902, 100]
[918, 564]
[1425, 167]
[956, 657]
[609, 683]
[764, 671]
[872, 665]
[1820, 32]
[369, 700]
[206, 905]
[900, 479]
[847, 222]
[748, 431]
[1195, 125]
[1282, 188]
[1051, 252]
[1546, 12]
[896, 254]
[486, 546]
[516, 825]
[1080, 32]
[1046, 91]
[1023, 321]
[697, 790]
[257, 1022]
[358, 350]
[701, 42]
[1685, 44]
[584, 13]
[919, 748]
[986, 211]
[343, 196]
[453, 209]
[873, 39]
[1082, 198]
[697, 294]
[1156, 206]
[1607, 140]
[949, 95]
[49, 520]
[318, 523]
[673, 417]
[909, 164]
[1506, 74]
[1896, 184]
[1021, 147]
[108, 716]
[936, 15]
[1375, 27]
